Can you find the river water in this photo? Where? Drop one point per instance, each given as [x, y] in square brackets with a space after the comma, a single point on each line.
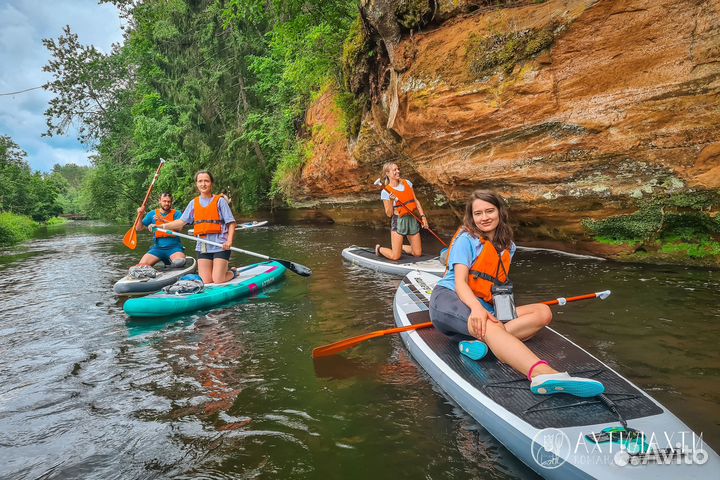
[233, 392]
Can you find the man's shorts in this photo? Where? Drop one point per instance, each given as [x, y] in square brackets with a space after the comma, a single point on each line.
[164, 253]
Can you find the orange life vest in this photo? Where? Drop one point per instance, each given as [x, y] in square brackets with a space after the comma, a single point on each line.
[207, 219]
[160, 219]
[486, 271]
[406, 196]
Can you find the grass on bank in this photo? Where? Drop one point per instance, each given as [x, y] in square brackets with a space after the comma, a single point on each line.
[15, 228]
[55, 221]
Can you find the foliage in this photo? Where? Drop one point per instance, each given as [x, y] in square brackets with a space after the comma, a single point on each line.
[55, 221]
[69, 179]
[699, 250]
[356, 54]
[675, 217]
[289, 166]
[15, 228]
[217, 84]
[352, 108]
[85, 82]
[23, 191]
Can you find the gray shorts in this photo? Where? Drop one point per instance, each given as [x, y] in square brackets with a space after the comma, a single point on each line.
[450, 315]
[406, 225]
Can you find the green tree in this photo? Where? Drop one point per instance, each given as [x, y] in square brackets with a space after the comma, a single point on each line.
[25, 192]
[217, 84]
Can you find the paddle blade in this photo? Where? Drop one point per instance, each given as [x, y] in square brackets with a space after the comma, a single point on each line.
[604, 294]
[130, 239]
[342, 345]
[301, 270]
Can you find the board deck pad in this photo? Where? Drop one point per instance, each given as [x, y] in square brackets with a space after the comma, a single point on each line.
[511, 390]
[404, 260]
[166, 276]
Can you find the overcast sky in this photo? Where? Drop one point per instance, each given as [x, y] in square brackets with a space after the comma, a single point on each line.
[23, 25]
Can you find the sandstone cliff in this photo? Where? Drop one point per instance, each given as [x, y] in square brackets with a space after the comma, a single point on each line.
[573, 109]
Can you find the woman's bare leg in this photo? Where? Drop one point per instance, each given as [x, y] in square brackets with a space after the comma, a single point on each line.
[530, 320]
[394, 253]
[220, 271]
[205, 270]
[415, 244]
[511, 350]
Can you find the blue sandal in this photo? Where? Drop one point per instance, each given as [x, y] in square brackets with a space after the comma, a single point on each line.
[551, 383]
[474, 349]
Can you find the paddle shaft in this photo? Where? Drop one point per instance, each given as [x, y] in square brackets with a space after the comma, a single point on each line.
[589, 296]
[342, 345]
[150, 189]
[416, 217]
[209, 242]
[130, 239]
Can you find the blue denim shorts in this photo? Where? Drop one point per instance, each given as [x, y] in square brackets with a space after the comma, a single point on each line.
[450, 315]
[164, 253]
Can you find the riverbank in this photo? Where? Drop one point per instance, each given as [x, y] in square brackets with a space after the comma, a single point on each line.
[18, 228]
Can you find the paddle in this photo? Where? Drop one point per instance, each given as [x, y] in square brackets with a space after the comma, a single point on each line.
[301, 270]
[342, 345]
[380, 184]
[130, 238]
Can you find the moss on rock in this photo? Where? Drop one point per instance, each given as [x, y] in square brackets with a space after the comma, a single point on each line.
[413, 14]
[672, 228]
[485, 54]
[352, 108]
[356, 58]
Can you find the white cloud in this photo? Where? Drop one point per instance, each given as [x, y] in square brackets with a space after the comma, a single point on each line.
[23, 25]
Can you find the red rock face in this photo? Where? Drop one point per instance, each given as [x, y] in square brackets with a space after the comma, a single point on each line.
[623, 106]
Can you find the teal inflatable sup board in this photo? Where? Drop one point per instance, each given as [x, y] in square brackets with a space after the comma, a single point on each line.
[250, 279]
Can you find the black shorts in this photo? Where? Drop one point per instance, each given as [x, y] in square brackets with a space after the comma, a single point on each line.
[450, 315]
[225, 255]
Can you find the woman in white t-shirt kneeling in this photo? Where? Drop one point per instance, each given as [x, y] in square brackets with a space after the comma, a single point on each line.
[402, 207]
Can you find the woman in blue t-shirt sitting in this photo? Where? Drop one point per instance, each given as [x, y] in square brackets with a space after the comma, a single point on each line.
[461, 305]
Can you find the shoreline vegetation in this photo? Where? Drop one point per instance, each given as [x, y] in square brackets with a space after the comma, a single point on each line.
[30, 199]
[16, 228]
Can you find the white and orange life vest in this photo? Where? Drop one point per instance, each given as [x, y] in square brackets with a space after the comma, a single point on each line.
[486, 271]
[406, 196]
[207, 219]
[160, 219]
